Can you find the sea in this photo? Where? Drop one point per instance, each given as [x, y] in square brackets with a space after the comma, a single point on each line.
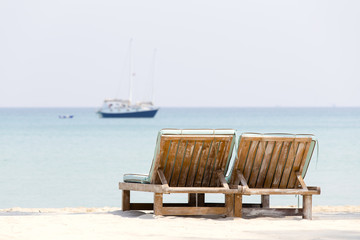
[50, 162]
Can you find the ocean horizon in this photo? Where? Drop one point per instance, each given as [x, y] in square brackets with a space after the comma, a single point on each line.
[52, 162]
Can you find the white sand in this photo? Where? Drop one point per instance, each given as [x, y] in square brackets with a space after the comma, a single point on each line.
[111, 223]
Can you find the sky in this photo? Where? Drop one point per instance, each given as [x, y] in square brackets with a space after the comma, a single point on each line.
[74, 53]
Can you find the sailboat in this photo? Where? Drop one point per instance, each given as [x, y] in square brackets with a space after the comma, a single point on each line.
[120, 108]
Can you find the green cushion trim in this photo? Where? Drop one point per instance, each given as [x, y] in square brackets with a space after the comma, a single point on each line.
[135, 178]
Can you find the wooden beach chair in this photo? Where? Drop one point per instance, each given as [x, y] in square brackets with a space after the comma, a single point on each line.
[272, 164]
[185, 161]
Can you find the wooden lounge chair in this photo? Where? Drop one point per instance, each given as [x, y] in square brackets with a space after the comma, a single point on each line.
[185, 161]
[268, 164]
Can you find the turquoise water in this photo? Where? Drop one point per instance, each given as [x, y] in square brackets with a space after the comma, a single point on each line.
[50, 162]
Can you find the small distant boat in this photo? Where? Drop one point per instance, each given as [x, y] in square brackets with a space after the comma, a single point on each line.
[66, 116]
[119, 108]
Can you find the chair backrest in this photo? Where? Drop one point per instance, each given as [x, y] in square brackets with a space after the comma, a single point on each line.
[271, 161]
[191, 157]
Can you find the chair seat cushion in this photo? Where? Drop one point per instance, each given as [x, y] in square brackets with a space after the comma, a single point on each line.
[136, 178]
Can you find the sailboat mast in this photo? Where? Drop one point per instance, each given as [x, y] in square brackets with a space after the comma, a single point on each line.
[153, 75]
[130, 71]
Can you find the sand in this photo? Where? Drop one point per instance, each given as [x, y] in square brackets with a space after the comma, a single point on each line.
[340, 222]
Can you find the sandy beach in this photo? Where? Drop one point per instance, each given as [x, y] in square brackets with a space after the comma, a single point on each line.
[335, 222]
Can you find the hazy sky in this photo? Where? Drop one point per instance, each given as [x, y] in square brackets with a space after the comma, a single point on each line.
[210, 53]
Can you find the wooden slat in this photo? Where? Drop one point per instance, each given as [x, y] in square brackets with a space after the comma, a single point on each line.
[161, 159]
[193, 210]
[140, 187]
[257, 164]
[171, 159]
[250, 159]
[158, 189]
[289, 164]
[228, 152]
[194, 163]
[220, 163]
[186, 163]
[210, 164]
[222, 179]
[201, 190]
[280, 165]
[244, 148]
[150, 206]
[296, 166]
[162, 179]
[302, 164]
[272, 166]
[265, 164]
[269, 212]
[240, 158]
[226, 157]
[301, 180]
[178, 163]
[242, 179]
[278, 191]
[203, 160]
[164, 151]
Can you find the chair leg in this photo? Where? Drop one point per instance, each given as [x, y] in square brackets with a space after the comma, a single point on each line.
[125, 200]
[237, 205]
[229, 205]
[200, 199]
[158, 203]
[192, 199]
[265, 201]
[307, 207]
[196, 199]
